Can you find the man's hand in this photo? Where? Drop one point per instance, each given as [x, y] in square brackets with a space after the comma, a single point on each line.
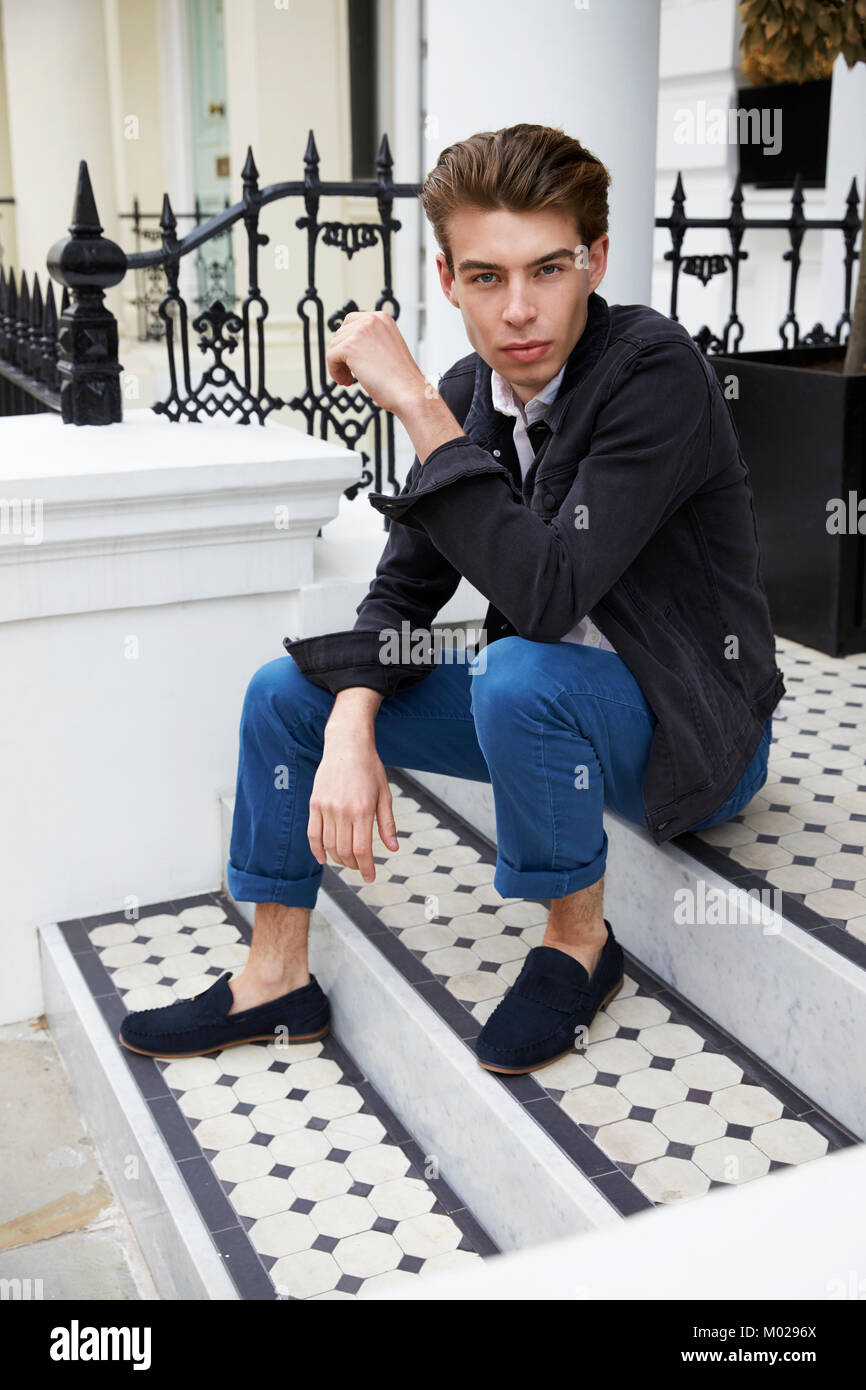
[369, 348]
[350, 791]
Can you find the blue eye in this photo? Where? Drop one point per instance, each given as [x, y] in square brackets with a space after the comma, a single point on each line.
[477, 278]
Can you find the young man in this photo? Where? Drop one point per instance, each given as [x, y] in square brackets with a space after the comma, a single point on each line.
[581, 468]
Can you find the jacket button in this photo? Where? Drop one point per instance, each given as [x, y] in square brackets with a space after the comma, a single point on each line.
[549, 500]
[502, 627]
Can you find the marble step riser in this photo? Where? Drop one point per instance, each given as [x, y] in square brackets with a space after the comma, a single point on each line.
[179, 1252]
[467, 1125]
[793, 1238]
[771, 985]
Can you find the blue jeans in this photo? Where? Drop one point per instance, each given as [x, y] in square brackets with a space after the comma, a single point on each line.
[559, 729]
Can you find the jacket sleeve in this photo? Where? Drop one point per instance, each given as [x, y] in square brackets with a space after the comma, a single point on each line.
[648, 453]
[412, 582]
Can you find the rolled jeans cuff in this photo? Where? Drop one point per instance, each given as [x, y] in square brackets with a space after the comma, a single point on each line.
[291, 892]
[548, 883]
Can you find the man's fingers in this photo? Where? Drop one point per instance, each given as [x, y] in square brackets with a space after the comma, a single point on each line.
[339, 368]
[314, 834]
[362, 845]
[385, 819]
[336, 363]
[343, 840]
[329, 839]
[345, 836]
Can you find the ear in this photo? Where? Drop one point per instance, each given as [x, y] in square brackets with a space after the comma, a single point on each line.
[598, 261]
[446, 279]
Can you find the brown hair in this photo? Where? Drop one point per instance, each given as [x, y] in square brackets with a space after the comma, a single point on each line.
[523, 168]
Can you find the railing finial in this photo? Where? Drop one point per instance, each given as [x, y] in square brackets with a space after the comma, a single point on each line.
[249, 173]
[311, 154]
[167, 221]
[87, 263]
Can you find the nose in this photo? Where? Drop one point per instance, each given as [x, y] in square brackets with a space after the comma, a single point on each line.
[519, 308]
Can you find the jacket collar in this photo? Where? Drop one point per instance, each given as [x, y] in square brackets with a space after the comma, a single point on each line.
[483, 421]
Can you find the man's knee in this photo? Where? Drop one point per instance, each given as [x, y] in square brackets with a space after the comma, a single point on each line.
[513, 668]
[495, 660]
[279, 685]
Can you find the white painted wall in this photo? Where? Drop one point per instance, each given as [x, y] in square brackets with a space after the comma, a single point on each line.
[59, 112]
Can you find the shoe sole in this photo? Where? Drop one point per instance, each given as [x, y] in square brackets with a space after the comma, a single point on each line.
[220, 1047]
[519, 1071]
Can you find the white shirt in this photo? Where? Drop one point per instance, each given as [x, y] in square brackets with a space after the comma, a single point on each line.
[505, 401]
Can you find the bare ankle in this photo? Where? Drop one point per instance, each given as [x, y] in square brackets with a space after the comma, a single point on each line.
[277, 962]
[288, 974]
[249, 991]
[578, 918]
[568, 927]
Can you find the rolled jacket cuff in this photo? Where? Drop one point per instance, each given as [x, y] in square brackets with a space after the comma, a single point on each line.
[336, 661]
[449, 463]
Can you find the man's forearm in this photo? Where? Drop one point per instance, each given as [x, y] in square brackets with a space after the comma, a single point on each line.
[355, 710]
[427, 421]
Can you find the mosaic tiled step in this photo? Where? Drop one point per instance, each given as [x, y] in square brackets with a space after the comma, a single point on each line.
[308, 1184]
[805, 831]
[660, 1099]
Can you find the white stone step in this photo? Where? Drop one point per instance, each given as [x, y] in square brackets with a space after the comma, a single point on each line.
[776, 987]
[661, 1107]
[457, 1111]
[260, 1171]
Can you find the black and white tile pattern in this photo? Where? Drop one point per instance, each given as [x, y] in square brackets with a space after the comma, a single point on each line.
[322, 1183]
[659, 1107]
[311, 1188]
[805, 831]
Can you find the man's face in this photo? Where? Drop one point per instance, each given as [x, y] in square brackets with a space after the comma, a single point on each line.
[521, 277]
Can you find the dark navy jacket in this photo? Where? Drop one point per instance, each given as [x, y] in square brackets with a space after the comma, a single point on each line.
[664, 558]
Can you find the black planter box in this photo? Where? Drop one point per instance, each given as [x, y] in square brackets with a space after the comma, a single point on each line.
[804, 123]
[803, 437]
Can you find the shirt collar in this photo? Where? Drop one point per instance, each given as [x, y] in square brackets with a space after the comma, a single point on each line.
[507, 403]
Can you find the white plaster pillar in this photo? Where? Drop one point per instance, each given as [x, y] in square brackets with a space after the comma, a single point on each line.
[846, 159]
[59, 113]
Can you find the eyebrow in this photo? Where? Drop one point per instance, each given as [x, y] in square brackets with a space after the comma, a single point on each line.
[489, 265]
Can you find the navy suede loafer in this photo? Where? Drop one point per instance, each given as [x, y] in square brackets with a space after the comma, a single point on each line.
[534, 1024]
[193, 1027]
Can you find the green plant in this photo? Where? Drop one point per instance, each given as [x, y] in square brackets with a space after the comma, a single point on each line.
[798, 41]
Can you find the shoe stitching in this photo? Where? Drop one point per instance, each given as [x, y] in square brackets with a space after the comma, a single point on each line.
[200, 1027]
[536, 1042]
[176, 1003]
[168, 1033]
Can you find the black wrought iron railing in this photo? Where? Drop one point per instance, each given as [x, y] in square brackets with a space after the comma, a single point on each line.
[87, 263]
[705, 266]
[28, 342]
[70, 362]
[214, 269]
[29, 346]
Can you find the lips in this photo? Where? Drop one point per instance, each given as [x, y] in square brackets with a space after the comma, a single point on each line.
[527, 352]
